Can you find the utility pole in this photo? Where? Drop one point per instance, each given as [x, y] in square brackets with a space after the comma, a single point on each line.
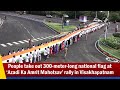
[108, 14]
[62, 23]
[96, 15]
[106, 30]
[116, 29]
[75, 14]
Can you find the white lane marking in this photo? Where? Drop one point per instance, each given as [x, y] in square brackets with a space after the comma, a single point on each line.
[51, 37]
[48, 37]
[10, 44]
[21, 42]
[26, 29]
[3, 45]
[25, 41]
[15, 43]
[41, 37]
[38, 38]
[32, 41]
[35, 40]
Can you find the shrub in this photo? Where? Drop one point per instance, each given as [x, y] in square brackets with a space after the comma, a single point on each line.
[116, 34]
[111, 42]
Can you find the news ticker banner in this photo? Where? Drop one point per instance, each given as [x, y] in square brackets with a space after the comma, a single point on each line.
[61, 70]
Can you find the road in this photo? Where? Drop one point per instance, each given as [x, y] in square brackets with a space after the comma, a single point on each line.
[82, 51]
[15, 32]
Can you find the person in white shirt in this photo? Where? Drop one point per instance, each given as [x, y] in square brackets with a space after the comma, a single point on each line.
[22, 49]
[30, 57]
[34, 55]
[13, 59]
[13, 52]
[26, 58]
[117, 27]
[20, 59]
[33, 46]
[45, 53]
[7, 61]
[39, 55]
[48, 52]
[9, 53]
[66, 50]
[18, 50]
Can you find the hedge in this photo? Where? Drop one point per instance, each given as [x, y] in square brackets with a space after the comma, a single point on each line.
[111, 42]
[116, 35]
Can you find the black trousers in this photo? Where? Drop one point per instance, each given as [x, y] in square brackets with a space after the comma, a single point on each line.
[45, 56]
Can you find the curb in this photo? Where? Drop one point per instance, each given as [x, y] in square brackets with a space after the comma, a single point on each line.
[50, 27]
[105, 53]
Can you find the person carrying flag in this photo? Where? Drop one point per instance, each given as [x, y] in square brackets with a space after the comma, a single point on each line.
[30, 57]
[39, 55]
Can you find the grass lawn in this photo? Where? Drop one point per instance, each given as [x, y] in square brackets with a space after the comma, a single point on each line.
[58, 27]
[111, 51]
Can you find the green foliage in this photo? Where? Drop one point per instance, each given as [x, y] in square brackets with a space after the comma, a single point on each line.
[111, 51]
[112, 42]
[114, 16]
[58, 27]
[101, 15]
[116, 35]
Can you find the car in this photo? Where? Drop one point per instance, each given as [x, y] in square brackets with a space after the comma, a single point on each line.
[97, 20]
[49, 16]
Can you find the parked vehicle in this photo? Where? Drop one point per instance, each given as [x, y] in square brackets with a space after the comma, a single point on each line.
[97, 20]
[49, 16]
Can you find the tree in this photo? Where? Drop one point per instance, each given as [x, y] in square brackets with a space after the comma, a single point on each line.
[114, 16]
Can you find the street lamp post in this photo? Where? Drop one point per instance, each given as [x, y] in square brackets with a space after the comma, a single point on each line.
[62, 23]
[107, 19]
[108, 14]
[116, 28]
[106, 29]
[75, 14]
[96, 15]
[105, 32]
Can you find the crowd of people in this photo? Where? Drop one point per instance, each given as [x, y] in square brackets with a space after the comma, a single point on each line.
[36, 55]
[31, 57]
